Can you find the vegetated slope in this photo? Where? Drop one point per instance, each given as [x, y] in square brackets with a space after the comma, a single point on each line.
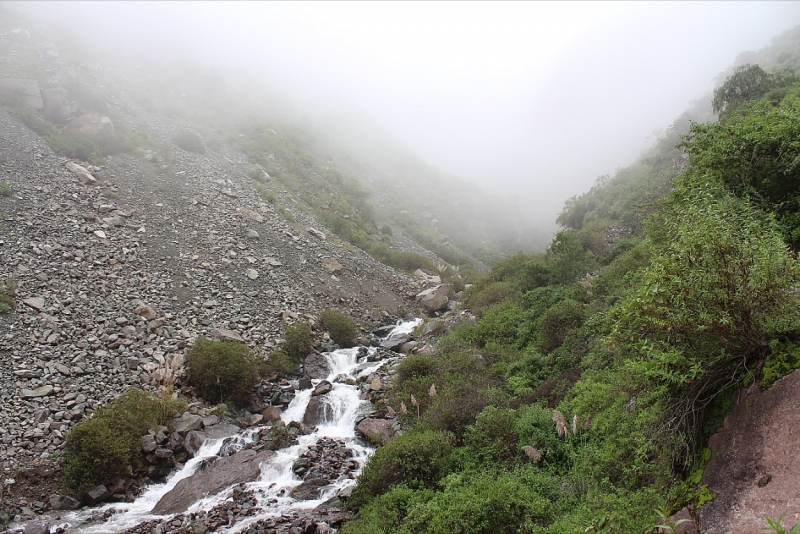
[353, 193]
[581, 392]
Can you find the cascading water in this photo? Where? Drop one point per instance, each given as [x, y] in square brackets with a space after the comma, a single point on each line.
[340, 409]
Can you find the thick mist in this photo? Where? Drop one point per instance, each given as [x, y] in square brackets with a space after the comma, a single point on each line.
[529, 100]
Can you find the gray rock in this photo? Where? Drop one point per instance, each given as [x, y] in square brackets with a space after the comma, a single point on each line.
[435, 298]
[96, 495]
[84, 176]
[227, 335]
[149, 443]
[64, 502]
[243, 466]
[309, 490]
[27, 91]
[393, 341]
[377, 431]
[316, 366]
[37, 303]
[318, 411]
[271, 413]
[91, 124]
[332, 265]
[322, 388]
[37, 527]
[196, 438]
[42, 391]
[186, 423]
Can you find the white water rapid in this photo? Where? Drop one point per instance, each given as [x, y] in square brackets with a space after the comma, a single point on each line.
[273, 487]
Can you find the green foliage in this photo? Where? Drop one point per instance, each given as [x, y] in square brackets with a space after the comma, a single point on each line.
[494, 436]
[748, 83]
[415, 459]
[482, 503]
[777, 526]
[5, 188]
[190, 142]
[556, 321]
[297, 339]
[8, 288]
[281, 363]
[100, 448]
[782, 360]
[222, 371]
[707, 303]
[343, 329]
[386, 513]
[755, 153]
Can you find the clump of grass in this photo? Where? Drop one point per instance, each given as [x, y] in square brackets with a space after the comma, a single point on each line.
[8, 288]
[5, 188]
[265, 193]
[286, 213]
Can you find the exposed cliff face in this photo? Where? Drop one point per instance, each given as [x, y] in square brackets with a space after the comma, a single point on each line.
[755, 466]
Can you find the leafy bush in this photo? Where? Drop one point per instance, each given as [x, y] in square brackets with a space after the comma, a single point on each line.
[343, 329]
[5, 188]
[554, 323]
[297, 339]
[482, 503]
[221, 371]
[99, 449]
[494, 435]
[190, 142]
[416, 459]
[280, 363]
[782, 360]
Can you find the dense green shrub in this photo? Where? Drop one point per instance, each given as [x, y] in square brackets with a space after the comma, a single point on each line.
[297, 339]
[265, 193]
[494, 436]
[416, 459]
[221, 370]
[343, 329]
[481, 503]
[280, 363]
[386, 513]
[99, 449]
[190, 142]
[554, 323]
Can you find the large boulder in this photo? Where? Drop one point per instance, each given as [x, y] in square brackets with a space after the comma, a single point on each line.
[435, 298]
[309, 490]
[376, 431]
[395, 340]
[91, 124]
[244, 466]
[316, 366]
[26, 91]
[196, 438]
[318, 411]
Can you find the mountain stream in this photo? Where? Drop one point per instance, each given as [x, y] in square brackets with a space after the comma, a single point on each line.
[272, 489]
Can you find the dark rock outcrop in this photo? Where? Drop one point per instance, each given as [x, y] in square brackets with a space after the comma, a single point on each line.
[244, 466]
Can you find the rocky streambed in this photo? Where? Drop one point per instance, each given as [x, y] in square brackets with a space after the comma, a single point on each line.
[277, 471]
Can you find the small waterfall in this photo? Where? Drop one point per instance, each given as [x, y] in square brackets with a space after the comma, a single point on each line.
[342, 406]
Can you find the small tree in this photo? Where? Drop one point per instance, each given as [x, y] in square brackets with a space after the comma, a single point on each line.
[343, 329]
[222, 371]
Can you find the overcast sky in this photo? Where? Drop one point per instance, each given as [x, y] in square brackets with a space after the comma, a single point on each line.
[531, 100]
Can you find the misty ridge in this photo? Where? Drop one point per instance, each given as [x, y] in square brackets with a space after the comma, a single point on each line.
[445, 267]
